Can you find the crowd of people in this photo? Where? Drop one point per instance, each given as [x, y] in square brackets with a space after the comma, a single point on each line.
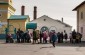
[75, 37]
[44, 37]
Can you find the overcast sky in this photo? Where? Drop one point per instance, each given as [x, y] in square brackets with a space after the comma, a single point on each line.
[55, 9]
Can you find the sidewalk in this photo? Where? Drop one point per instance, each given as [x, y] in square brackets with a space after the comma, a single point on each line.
[41, 49]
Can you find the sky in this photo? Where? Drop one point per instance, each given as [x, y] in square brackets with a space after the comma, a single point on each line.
[55, 9]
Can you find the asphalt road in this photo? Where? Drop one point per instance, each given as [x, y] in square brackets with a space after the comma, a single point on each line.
[41, 49]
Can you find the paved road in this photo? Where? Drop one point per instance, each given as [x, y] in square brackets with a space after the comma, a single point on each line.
[41, 49]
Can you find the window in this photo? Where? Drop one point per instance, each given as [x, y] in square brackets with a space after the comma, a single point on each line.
[44, 19]
[81, 29]
[0, 15]
[78, 14]
[81, 15]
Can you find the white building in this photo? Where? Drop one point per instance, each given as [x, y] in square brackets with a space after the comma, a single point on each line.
[46, 23]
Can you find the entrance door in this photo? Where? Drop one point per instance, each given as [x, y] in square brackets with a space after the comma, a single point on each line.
[44, 28]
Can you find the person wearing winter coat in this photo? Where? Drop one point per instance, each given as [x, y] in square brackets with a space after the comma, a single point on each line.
[34, 36]
[45, 36]
[59, 37]
[53, 38]
[74, 36]
[41, 36]
[65, 36]
[28, 37]
[18, 36]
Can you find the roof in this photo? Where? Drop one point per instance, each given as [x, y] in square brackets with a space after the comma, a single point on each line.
[79, 5]
[67, 25]
[12, 7]
[6, 3]
[31, 25]
[18, 17]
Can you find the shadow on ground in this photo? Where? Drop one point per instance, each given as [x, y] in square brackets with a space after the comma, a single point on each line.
[68, 44]
[46, 47]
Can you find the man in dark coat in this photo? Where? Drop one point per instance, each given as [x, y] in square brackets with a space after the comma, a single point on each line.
[61, 37]
[34, 36]
[58, 35]
[73, 36]
[18, 35]
[22, 37]
[65, 36]
[41, 36]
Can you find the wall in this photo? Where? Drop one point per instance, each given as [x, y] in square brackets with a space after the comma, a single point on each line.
[82, 21]
[4, 0]
[51, 24]
[10, 12]
[3, 11]
[17, 24]
[3, 17]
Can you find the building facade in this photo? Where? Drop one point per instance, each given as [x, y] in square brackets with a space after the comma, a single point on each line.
[9, 20]
[81, 19]
[46, 23]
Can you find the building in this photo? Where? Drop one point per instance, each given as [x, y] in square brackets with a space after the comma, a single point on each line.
[81, 19]
[11, 23]
[46, 23]
[18, 22]
[9, 20]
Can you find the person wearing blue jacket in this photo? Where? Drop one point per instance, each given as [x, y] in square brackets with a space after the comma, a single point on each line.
[54, 38]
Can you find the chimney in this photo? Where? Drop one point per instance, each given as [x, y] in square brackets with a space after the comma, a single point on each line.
[35, 12]
[62, 19]
[22, 10]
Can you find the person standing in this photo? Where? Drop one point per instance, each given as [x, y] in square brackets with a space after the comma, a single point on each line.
[70, 36]
[45, 36]
[28, 37]
[50, 35]
[65, 36]
[61, 37]
[22, 37]
[74, 36]
[80, 37]
[41, 36]
[34, 36]
[25, 37]
[18, 36]
[58, 34]
[7, 38]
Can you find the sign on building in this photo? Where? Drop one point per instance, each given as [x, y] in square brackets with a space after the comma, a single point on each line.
[2, 23]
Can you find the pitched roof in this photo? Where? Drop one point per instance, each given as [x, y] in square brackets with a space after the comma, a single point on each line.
[18, 17]
[67, 25]
[54, 20]
[79, 6]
